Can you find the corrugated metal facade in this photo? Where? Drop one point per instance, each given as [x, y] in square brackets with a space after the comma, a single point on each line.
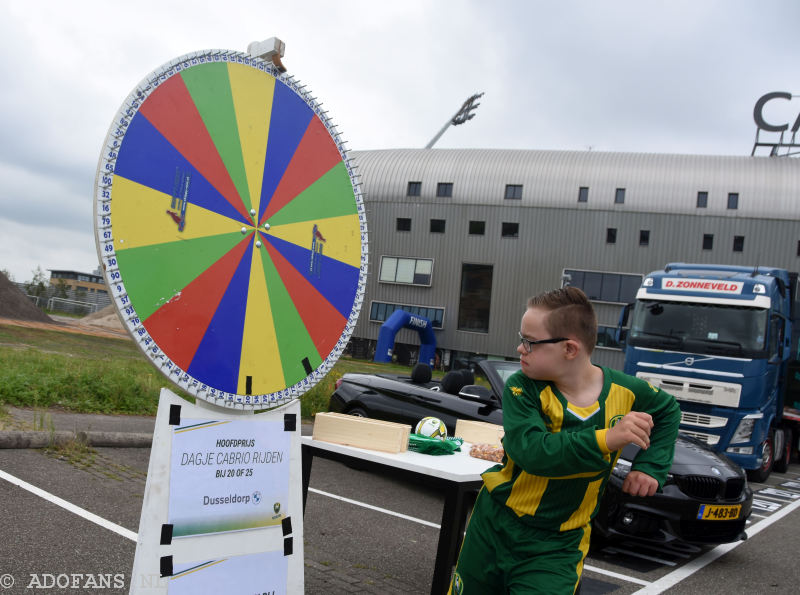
[557, 232]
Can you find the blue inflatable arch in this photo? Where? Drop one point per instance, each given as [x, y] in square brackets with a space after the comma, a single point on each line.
[402, 319]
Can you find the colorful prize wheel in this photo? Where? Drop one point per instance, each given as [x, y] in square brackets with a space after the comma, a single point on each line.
[231, 229]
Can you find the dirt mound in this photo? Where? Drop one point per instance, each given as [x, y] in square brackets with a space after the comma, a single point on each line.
[16, 305]
[105, 318]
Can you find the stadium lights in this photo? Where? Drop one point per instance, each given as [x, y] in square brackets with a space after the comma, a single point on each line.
[462, 115]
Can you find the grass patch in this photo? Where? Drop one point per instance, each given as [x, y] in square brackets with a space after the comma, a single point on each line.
[89, 374]
[31, 378]
[81, 373]
[77, 453]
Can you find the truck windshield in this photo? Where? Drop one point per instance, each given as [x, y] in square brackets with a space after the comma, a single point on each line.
[700, 328]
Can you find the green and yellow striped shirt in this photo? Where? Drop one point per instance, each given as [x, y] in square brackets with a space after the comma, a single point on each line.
[556, 462]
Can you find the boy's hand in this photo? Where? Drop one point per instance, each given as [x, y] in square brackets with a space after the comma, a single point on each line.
[633, 428]
[639, 484]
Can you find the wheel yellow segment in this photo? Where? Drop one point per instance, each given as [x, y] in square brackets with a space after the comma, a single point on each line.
[252, 98]
[342, 237]
[141, 218]
[259, 338]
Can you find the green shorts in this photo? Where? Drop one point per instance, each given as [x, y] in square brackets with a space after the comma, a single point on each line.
[501, 554]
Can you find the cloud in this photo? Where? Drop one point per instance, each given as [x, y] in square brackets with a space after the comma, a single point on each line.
[628, 75]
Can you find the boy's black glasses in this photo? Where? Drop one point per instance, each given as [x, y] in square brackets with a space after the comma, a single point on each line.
[528, 344]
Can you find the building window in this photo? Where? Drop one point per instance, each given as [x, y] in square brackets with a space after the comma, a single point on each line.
[414, 189]
[510, 230]
[381, 311]
[409, 271]
[403, 224]
[708, 241]
[617, 288]
[733, 201]
[437, 225]
[644, 237]
[738, 243]
[583, 194]
[611, 235]
[444, 189]
[477, 228]
[619, 196]
[702, 200]
[514, 191]
[475, 299]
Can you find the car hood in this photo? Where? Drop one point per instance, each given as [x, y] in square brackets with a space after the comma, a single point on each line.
[693, 457]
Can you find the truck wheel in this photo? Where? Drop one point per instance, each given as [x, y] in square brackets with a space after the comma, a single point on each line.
[760, 475]
[782, 465]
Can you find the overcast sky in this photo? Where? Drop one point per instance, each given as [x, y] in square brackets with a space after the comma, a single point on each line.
[678, 76]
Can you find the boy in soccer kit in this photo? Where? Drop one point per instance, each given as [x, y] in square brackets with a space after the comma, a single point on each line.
[566, 421]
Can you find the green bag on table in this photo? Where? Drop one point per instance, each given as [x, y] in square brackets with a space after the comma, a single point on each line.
[434, 446]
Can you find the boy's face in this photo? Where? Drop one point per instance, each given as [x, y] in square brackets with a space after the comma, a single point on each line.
[544, 359]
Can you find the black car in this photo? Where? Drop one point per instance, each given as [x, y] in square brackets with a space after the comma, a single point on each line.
[705, 498]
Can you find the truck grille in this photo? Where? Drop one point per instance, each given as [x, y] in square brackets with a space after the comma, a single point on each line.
[709, 439]
[684, 388]
[705, 421]
[708, 488]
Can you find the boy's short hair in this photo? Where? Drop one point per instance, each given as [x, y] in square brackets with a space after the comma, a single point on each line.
[571, 314]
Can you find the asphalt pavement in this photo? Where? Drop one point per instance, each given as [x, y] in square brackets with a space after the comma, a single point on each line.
[348, 549]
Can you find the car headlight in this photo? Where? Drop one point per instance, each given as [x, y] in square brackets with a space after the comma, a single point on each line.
[744, 431]
[621, 469]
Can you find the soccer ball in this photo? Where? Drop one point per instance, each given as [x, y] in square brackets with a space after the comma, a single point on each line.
[433, 427]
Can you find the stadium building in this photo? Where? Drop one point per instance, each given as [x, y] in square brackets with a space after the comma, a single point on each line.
[464, 237]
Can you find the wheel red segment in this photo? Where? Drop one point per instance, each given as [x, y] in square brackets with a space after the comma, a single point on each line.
[181, 323]
[323, 322]
[315, 156]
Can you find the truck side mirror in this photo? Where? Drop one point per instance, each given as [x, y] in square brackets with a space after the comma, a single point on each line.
[620, 335]
[777, 349]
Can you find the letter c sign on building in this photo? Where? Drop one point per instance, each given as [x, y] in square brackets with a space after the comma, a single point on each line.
[758, 114]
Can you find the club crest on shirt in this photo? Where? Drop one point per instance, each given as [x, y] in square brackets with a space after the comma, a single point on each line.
[458, 584]
[614, 420]
[515, 390]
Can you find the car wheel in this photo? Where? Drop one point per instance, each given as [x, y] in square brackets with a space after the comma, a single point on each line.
[761, 474]
[782, 465]
[357, 412]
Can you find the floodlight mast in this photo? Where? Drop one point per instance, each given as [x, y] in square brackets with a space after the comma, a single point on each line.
[462, 115]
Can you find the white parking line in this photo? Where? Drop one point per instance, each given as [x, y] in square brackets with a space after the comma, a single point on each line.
[619, 550]
[623, 577]
[673, 578]
[89, 516]
[376, 508]
[767, 496]
[595, 569]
